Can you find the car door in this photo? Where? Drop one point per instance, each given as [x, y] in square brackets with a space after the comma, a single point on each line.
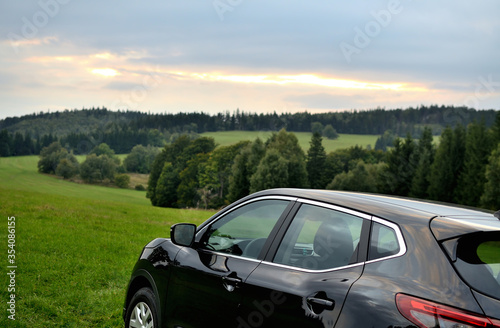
[205, 285]
[304, 280]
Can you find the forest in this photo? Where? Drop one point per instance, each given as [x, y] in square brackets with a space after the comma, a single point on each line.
[464, 168]
[81, 130]
[190, 171]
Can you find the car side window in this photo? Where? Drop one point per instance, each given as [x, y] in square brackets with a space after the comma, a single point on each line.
[383, 243]
[244, 231]
[320, 239]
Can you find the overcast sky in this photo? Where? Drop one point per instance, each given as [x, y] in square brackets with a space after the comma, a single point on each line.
[255, 55]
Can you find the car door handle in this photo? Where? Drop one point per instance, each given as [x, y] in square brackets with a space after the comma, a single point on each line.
[231, 280]
[230, 283]
[316, 303]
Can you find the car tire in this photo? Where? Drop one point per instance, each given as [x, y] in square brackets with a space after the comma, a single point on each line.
[142, 310]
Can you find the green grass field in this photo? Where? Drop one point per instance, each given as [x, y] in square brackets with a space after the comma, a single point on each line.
[75, 246]
[226, 138]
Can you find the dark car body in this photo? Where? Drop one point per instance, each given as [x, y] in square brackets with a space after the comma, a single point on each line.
[314, 258]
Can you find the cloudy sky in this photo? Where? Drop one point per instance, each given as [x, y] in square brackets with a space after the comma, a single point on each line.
[255, 55]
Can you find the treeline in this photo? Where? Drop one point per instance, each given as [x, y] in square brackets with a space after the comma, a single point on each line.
[376, 121]
[464, 168]
[120, 138]
[81, 130]
[19, 145]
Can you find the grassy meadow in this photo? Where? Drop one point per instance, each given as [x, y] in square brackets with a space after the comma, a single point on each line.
[226, 138]
[75, 246]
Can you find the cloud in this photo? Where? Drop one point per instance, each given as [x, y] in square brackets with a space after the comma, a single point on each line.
[435, 51]
[326, 101]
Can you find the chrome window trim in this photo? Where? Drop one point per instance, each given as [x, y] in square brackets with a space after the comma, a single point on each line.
[202, 231]
[311, 270]
[288, 198]
[240, 257]
[336, 208]
[393, 226]
[399, 236]
[291, 199]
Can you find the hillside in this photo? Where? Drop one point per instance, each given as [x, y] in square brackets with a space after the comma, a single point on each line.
[81, 130]
[376, 121]
[75, 245]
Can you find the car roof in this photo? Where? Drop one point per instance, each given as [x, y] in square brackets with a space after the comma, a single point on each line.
[397, 209]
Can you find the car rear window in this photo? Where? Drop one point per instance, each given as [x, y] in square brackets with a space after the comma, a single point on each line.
[478, 261]
[383, 243]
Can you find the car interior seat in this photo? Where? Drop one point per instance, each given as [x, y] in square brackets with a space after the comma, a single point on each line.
[333, 244]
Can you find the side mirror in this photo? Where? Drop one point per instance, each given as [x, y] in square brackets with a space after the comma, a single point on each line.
[182, 234]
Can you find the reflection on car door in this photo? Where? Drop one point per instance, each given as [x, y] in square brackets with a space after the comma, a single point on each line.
[207, 279]
[305, 280]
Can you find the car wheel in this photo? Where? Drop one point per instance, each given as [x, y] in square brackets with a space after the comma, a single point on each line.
[142, 310]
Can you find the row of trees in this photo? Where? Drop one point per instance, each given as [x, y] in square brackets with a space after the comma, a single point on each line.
[100, 165]
[193, 173]
[375, 121]
[18, 144]
[463, 168]
[120, 138]
[81, 130]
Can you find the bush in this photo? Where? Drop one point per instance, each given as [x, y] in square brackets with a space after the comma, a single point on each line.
[103, 149]
[140, 187]
[317, 127]
[67, 168]
[122, 180]
[330, 132]
[140, 159]
[97, 168]
[50, 157]
[54, 159]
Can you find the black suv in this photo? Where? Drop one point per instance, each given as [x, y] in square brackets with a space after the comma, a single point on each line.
[312, 258]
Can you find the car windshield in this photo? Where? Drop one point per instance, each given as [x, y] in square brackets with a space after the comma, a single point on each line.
[478, 261]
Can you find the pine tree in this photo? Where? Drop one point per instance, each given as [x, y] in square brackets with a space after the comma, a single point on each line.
[458, 156]
[496, 129]
[187, 191]
[397, 176]
[426, 152]
[447, 165]
[244, 166]
[239, 184]
[154, 176]
[316, 162]
[5, 143]
[170, 154]
[165, 194]
[491, 196]
[477, 150]
[18, 145]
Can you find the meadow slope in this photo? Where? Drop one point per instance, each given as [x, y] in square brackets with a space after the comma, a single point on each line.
[75, 246]
[226, 138]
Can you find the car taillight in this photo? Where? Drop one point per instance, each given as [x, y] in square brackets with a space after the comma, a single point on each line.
[427, 314]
